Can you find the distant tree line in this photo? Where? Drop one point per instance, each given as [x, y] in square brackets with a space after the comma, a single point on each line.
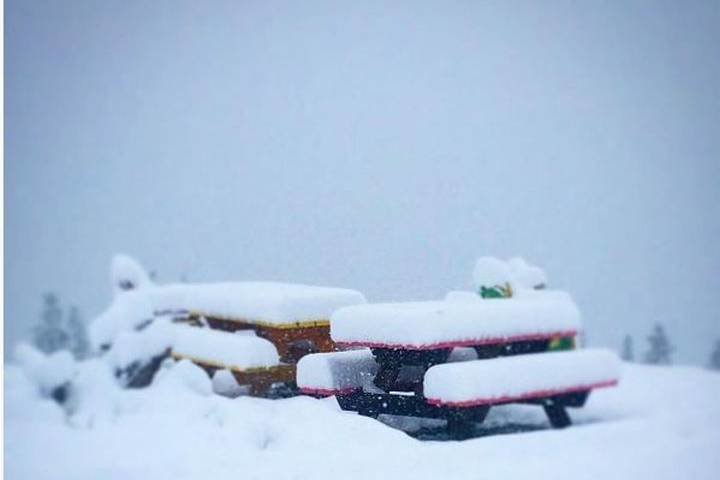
[54, 332]
[660, 349]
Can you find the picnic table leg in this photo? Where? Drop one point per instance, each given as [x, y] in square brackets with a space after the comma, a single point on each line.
[386, 376]
[557, 414]
[461, 424]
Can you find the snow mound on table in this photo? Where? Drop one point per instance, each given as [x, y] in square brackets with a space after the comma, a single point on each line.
[427, 324]
[522, 376]
[529, 276]
[141, 346]
[490, 272]
[517, 272]
[222, 348]
[335, 372]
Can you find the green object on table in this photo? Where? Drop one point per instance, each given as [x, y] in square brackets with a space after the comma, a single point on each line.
[562, 343]
[498, 291]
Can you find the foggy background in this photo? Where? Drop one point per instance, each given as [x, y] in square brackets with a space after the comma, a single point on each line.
[381, 146]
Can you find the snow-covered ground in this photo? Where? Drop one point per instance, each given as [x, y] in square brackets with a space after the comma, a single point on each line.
[660, 423]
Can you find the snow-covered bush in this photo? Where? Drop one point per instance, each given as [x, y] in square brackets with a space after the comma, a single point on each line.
[50, 374]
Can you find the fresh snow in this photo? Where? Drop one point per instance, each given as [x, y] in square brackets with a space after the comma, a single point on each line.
[265, 302]
[522, 376]
[660, 423]
[128, 311]
[327, 373]
[126, 273]
[456, 321]
[133, 346]
[138, 301]
[529, 276]
[491, 272]
[47, 372]
[223, 348]
[232, 350]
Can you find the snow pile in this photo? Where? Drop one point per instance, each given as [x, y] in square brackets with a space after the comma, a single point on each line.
[222, 348]
[184, 375]
[140, 346]
[492, 272]
[520, 377]
[46, 372]
[127, 274]
[526, 275]
[335, 372]
[421, 325]
[128, 311]
[658, 423]
[224, 383]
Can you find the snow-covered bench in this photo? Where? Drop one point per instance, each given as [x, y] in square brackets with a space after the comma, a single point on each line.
[222, 349]
[519, 378]
[462, 391]
[335, 373]
[341, 373]
[461, 320]
[253, 361]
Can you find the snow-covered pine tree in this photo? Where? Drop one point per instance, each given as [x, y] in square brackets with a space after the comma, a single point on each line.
[628, 352]
[49, 335]
[77, 333]
[660, 347]
[715, 357]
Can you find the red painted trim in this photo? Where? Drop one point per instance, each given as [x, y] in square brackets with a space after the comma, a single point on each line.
[525, 396]
[326, 392]
[459, 343]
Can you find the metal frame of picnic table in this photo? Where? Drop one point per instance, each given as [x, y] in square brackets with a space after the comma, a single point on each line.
[397, 396]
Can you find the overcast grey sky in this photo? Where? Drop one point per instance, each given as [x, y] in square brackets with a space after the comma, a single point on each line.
[376, 145]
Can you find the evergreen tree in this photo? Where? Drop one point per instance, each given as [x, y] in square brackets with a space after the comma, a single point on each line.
[49, 335]
[660, 347]
[77, 333]
[715, 357]
[628, 352]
